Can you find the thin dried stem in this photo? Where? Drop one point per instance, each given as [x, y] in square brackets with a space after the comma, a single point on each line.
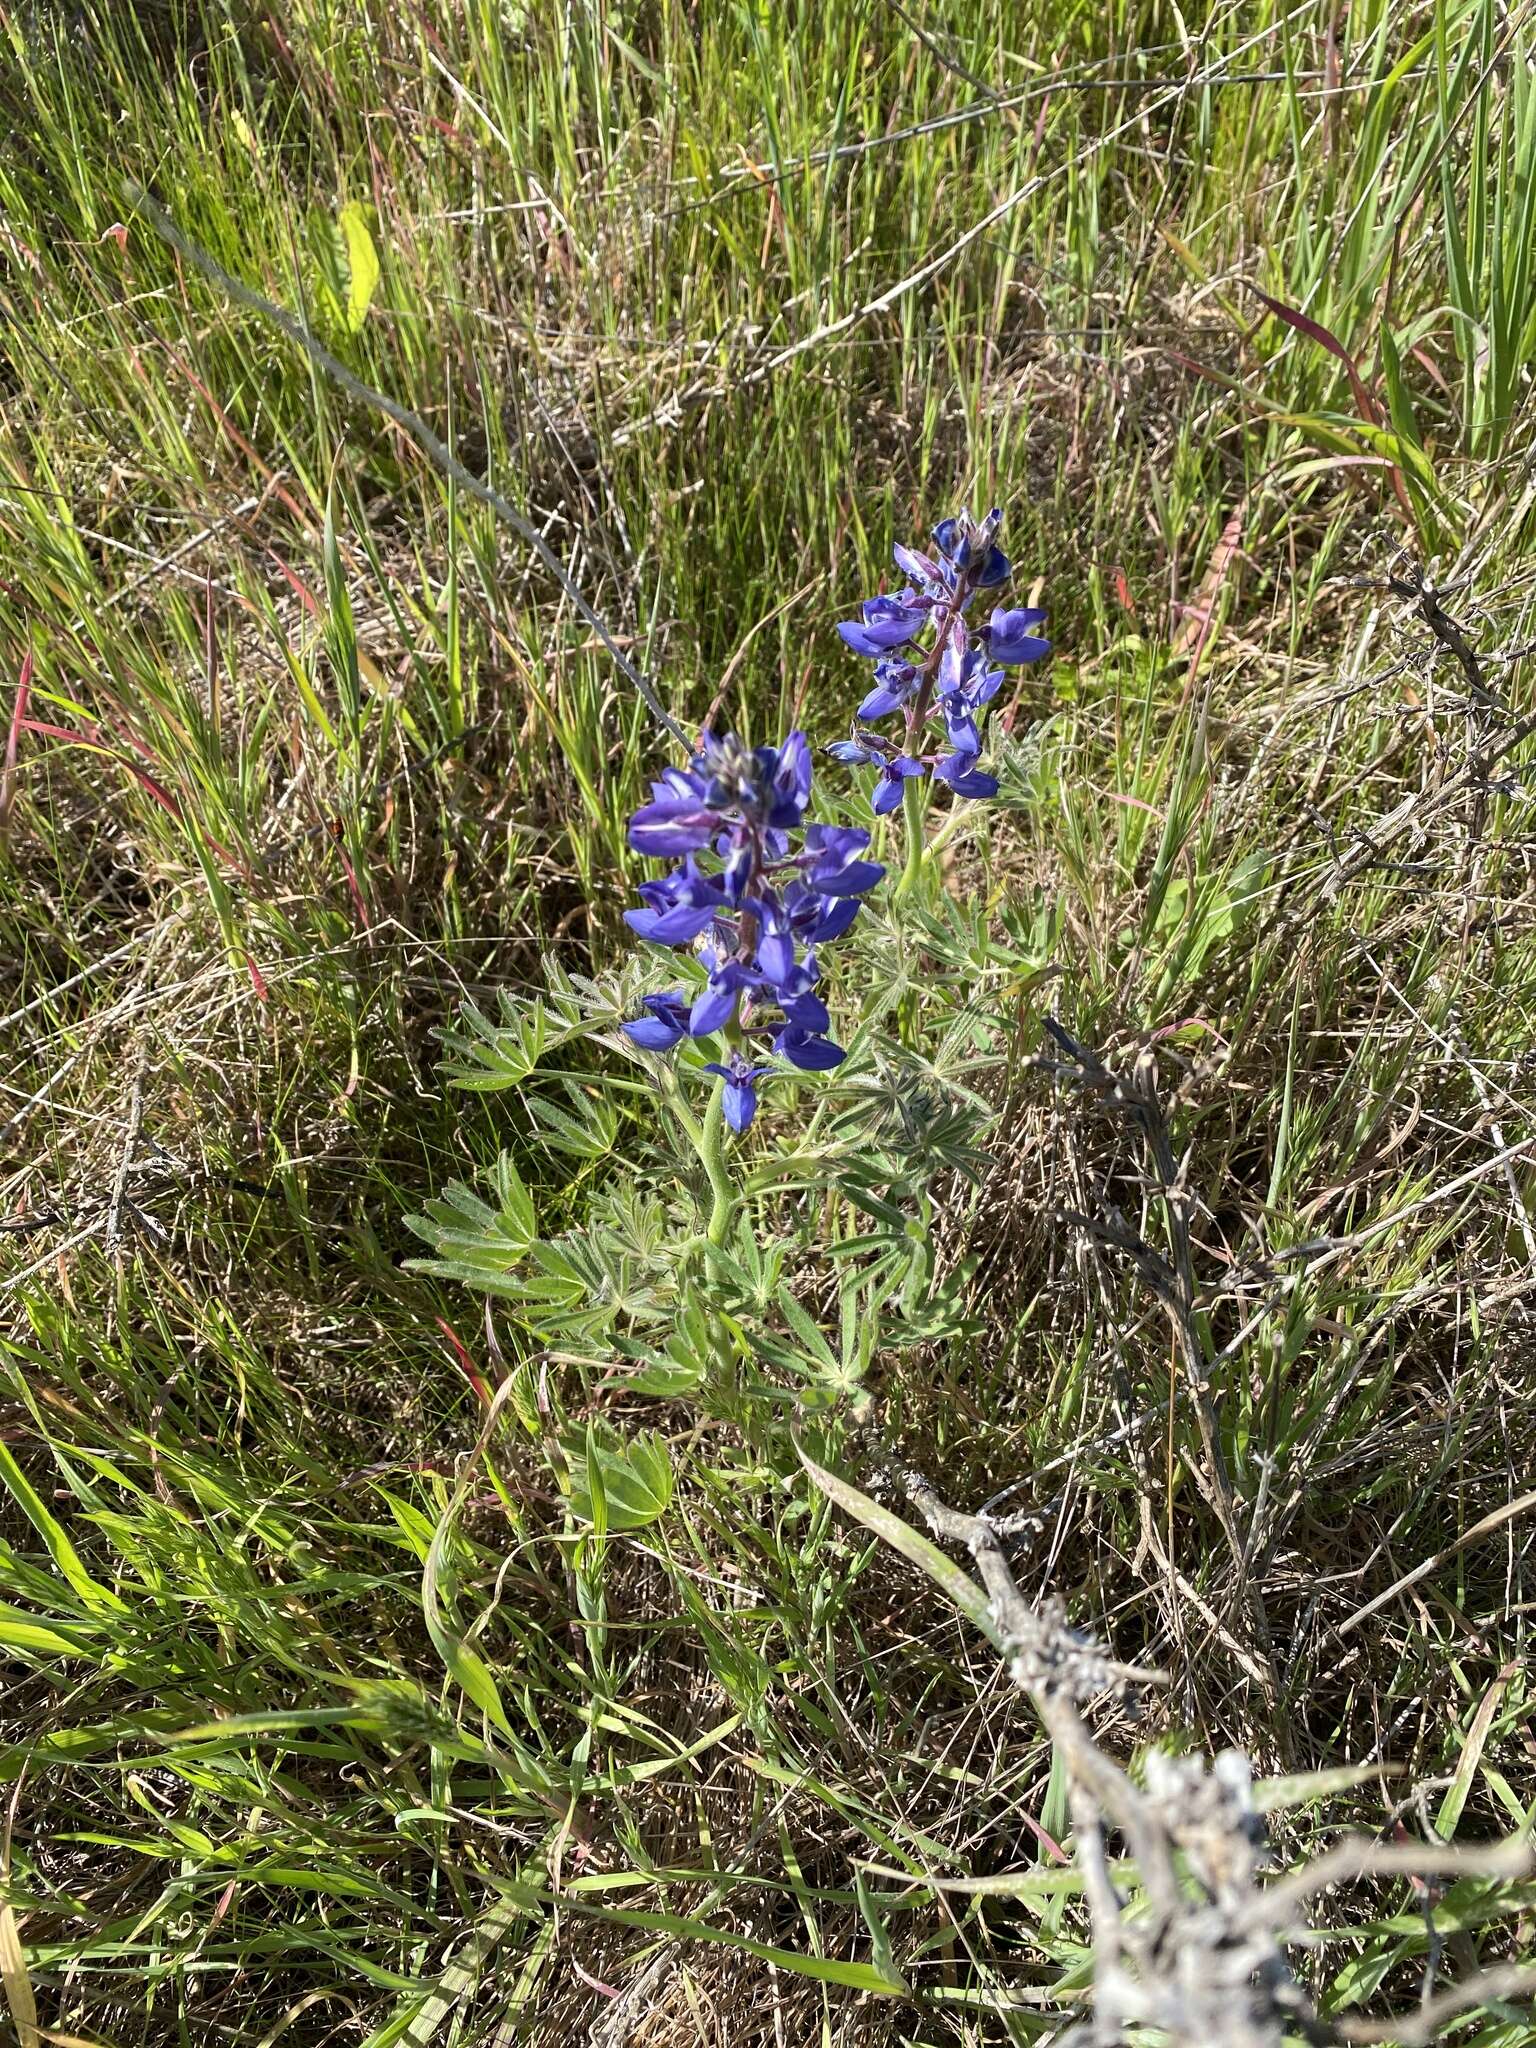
[1201, 1958]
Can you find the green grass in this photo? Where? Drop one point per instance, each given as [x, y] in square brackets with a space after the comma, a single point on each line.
[333, 1716]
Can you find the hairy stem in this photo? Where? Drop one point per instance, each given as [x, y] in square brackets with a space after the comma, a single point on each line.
[711, 1149]
[914, 808]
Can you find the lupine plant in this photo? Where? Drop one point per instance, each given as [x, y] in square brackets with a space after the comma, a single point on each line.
[755, 919]
[822, 1251]
[754, 890]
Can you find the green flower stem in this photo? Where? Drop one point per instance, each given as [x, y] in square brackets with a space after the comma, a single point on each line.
[914, 810]
[951, 825]
[711, 1149]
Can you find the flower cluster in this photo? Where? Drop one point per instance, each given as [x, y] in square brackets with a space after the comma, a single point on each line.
[750, 902]
[751, 907]
[931, 665]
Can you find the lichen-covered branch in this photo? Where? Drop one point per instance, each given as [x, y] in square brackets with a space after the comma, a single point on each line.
[1199, 1954]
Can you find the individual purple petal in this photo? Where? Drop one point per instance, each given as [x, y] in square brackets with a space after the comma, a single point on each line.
[1009, 640]
[671, 826]
[914, 563]
[882, 701]
[776, 954]
[954, 666]
[807, 1050]
[835, 845]
[835, 871]
[994, 570]
[677, 782]
[666, 1024]
[960, 725]
[840, 913]
[806, 1012]
[651, 1034]
[853, 880]
[737, 872]
[1022, 617]
[791, 782]
[712, 1010]
[715, 1004]
[964, 778]
[676, 927]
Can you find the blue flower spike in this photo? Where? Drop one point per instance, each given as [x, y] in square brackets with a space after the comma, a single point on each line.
[931, 665]
[749, 904]
[755, 890]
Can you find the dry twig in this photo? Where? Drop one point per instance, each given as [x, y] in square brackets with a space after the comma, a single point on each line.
[1201, 1958]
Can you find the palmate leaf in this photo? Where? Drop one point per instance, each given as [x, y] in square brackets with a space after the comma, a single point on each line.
[637, 1223]
[618, 1485]
[684, 1363]
[582, 1284]
[472, 1235]
[589, 1133]
[921, 1121]
[485, 1054]
[482, 1055]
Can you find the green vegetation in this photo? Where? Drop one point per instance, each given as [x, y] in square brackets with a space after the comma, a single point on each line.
[388, 1668]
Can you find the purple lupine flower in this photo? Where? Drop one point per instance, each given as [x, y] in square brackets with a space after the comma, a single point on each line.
[806, 1012]
[964, 777]
[807, 1050]
[1008, 638]
[944, 669]
[895, 680]
[885, 622]
[676, 820]
[893, 774]
[834, 870]
[741, 1079]
[921, 569]
[715, 1004]
[666, 1024]
[679, 906]
[964, 685]
[794, 994]
[813, 917]
[775, 946]
[855, 753]
[755, 921]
